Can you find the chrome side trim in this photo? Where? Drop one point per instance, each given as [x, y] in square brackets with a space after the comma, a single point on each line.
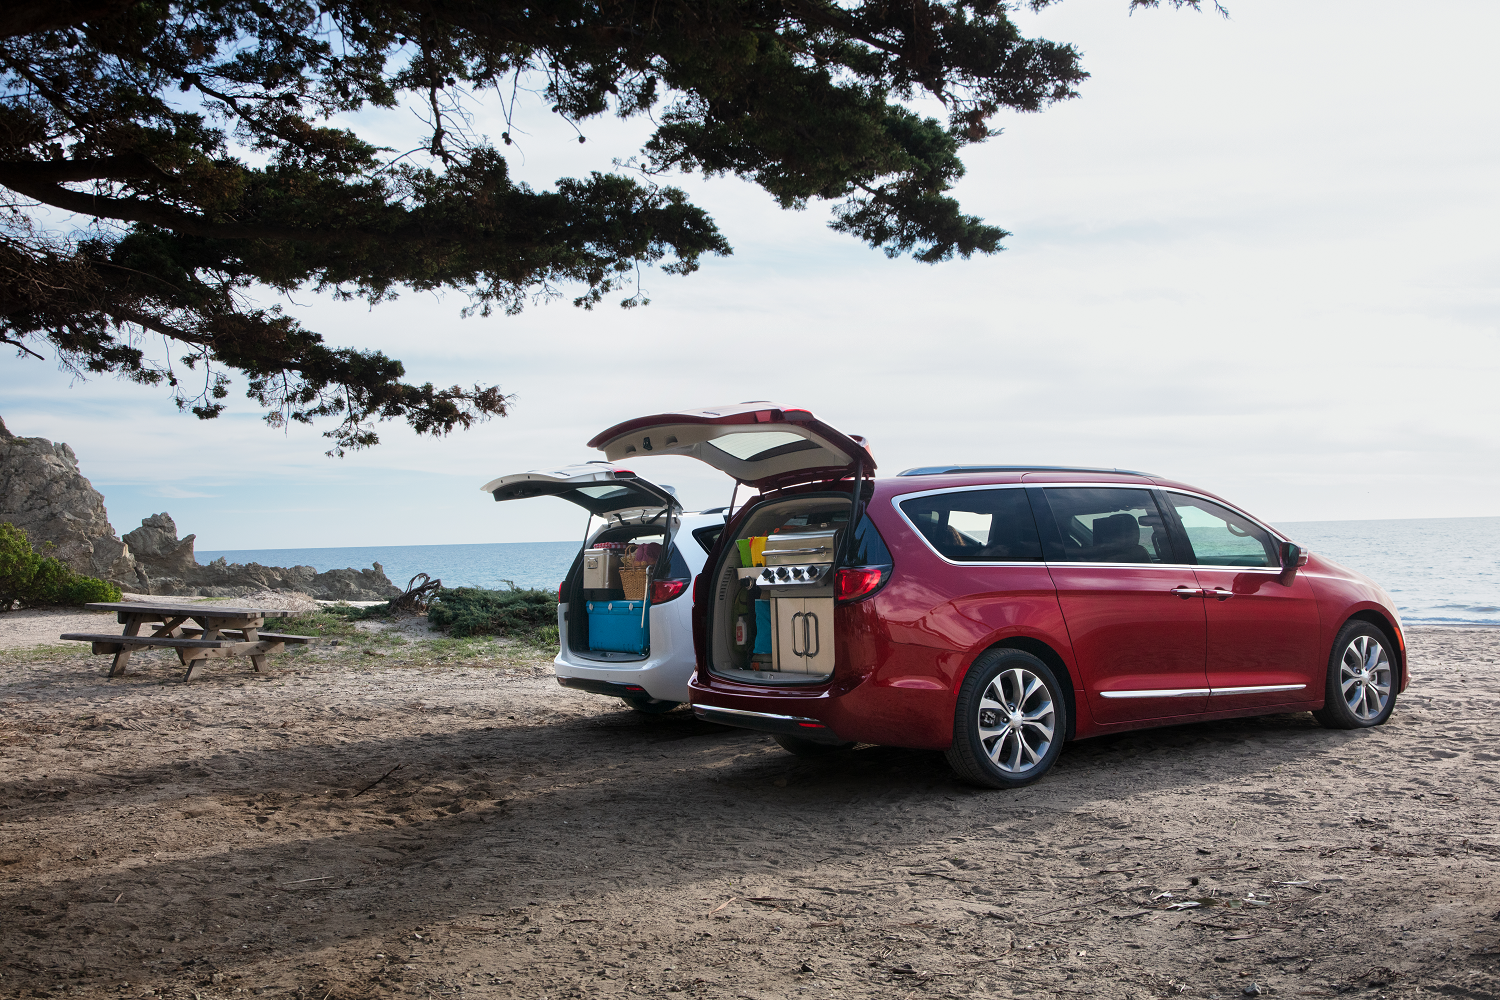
[1258, 689]
[1200, 692]
[757, 715]
[1158, 693]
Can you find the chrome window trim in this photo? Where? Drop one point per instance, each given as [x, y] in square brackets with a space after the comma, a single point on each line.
[898, 498]
[1106, 565]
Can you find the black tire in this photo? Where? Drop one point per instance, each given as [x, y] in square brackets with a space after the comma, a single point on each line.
[807, 748]
[650, 706]
[1036, 726]
[1363, 675]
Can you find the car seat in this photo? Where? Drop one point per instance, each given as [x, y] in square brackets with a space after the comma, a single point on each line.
[1117, 538]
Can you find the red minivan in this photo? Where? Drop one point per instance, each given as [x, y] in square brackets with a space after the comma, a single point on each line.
[996, 612]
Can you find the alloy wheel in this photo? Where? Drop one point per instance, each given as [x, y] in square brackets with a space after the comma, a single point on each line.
[1365, 677]
[1016, 720]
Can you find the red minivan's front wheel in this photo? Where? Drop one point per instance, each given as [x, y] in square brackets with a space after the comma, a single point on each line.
[1009, 724]
[1362, 680]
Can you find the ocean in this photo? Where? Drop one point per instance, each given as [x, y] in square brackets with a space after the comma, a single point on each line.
[1436, 569]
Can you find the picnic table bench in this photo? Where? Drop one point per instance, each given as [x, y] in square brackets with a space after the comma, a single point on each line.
[218, 631]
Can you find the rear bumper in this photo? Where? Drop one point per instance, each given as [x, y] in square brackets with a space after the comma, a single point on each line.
[664, 678]
[611, 689]
[768, 722]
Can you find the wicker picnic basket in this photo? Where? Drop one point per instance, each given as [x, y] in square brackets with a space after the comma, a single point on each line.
[634, 581]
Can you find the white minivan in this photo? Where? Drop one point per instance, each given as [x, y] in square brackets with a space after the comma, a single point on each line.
[640, 651]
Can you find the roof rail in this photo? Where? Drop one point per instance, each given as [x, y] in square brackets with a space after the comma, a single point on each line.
[943, 470]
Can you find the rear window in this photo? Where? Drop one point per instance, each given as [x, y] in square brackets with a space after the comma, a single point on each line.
[977, 525]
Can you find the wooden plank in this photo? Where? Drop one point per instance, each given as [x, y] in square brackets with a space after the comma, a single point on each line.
[291, 640]
[122, 651]
[195, 658]
[257, 659]
[215, 623]
[230, 610]
[172, 628]
[294, 640]
[145, 641]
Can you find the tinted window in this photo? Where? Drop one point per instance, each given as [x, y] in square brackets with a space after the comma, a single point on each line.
[1108, 525]
[977, 525]
[868, 548]
[1220, 537]
[708, 536]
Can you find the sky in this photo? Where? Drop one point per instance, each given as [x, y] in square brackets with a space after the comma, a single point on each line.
[1256, 255]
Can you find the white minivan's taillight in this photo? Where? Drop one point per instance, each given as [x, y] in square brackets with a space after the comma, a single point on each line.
[664, 590]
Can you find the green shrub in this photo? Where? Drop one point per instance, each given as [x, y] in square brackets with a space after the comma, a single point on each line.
[35, 579]
[522, 614]
[79, 590]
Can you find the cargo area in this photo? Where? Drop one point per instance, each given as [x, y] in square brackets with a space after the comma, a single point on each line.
[611, 590]
[772, 617]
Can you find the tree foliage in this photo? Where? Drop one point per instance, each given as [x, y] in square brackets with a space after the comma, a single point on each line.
[201, 144]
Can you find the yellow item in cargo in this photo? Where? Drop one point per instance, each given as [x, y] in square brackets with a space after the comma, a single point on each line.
[757, 550]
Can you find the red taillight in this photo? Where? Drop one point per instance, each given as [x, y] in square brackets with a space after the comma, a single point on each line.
[664, 590]
[852, 584]
[560, 587]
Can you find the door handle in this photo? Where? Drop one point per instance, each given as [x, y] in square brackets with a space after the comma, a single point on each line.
[1220, 593]
[799, 618]
[1186, 592]
[812, 642]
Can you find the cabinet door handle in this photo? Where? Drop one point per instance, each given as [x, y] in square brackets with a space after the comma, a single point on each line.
[811, 639]
[795, 650]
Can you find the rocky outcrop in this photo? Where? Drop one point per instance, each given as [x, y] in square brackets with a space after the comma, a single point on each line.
[155, 546]
[175, 570]
[43, 493]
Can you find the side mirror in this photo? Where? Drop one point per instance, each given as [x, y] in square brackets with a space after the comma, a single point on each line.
[1292, 556]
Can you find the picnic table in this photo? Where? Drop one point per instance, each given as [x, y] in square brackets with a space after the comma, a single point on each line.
[217, 632]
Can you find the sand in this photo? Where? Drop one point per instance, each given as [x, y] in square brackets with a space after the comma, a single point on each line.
[349, 825]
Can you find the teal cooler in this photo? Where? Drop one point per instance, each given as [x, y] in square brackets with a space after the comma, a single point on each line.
[762, 627]
[618, 626]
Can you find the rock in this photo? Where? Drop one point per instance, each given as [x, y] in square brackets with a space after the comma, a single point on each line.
[43, 493]
[154, 545]
[174, 570]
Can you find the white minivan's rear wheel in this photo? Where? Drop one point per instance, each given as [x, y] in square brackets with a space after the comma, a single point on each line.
[651, 706]
[1010, 720]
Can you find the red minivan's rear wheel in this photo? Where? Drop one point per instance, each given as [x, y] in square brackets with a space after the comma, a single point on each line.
[1009, 724]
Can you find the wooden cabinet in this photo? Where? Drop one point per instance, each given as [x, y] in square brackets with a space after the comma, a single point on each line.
[804, 635]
